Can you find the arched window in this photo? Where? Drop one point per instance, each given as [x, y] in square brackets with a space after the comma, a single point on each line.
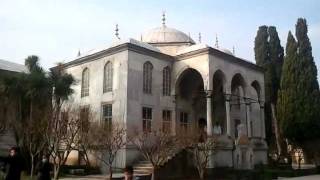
[85, 83]
[107, 77]
[166, 81]
[147, 77]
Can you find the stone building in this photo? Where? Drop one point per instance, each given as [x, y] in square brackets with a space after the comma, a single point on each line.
[7, 139]
[167, 80]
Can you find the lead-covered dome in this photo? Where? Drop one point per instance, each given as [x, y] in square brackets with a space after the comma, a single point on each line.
[166, 34]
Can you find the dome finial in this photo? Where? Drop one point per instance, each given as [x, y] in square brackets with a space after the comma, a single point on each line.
[199, 37]
[233, 50]
[217, 42]
[117, 32]
[163, 18]
[79, 53]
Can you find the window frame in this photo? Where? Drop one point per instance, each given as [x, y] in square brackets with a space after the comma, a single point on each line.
[108, 77]
[85, 82]
[147, 77]
[84, 109]
[166, 120]
[106, 120]
[184, 121]
[166, 81]
[147, 114]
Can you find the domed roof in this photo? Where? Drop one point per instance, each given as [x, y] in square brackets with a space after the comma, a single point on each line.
[227, 51]
[165, 34]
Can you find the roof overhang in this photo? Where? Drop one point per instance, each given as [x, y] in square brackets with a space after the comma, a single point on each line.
[217, 53]
[117, 49]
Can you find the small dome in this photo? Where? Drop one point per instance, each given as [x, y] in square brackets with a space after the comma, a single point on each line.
[227, 51]
[165, 34]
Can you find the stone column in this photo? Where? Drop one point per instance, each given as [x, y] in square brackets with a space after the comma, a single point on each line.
[209, 114]
[174, 116]
[174, 122]
[262, 121]
[247, 101]
[228, 114]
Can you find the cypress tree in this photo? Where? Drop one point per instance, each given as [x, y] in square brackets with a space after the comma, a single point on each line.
[286, 105]
[261, 49]
[298, 101]
[261, 46]
[276, 57]
[269, 55]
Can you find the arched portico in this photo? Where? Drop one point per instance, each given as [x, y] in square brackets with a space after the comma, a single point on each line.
[240, 107]
[190, 99]
[218, 101]
[258, 108]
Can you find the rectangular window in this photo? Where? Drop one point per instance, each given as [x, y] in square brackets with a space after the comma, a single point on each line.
[146, 119]
[166, 120]
[166, 81]
[184, 123]
[84, 118]
[107, 115]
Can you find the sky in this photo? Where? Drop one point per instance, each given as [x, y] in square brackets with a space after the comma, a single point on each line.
[55, 30]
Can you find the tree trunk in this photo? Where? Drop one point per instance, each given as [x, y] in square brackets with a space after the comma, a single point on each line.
[32, 166]
[86, 157]
[317, 161]
[201, 173]
[110, 172]
[56, 172]
[152, 175]
[276, 129]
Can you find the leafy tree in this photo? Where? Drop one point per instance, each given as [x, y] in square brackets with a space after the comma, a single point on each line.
[269, 55]
[261, 46]
[276, 58]
[298, 102]
[29, 98]
[62, 83]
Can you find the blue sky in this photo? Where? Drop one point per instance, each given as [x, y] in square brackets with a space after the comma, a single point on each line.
[55, 30]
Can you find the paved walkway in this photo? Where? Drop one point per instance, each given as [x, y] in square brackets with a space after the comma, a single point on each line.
[92, 177]
[312, 177]
[120, 175]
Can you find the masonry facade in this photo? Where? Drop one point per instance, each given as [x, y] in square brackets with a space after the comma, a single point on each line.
[167, 81]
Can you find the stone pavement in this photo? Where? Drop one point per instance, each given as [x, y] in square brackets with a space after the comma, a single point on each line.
[92, 177]
[311, 177]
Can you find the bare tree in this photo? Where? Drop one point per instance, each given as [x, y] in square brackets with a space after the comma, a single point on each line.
[107, 140]
[63, 135]
[156, 147]
[35, 139]
[3, 122]
[200, 146]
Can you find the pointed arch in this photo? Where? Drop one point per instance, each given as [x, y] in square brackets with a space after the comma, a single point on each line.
[219, 80]
[256, 85]
[238, 90]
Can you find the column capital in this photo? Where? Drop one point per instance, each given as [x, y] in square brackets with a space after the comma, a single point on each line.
[227, 97]
[247, 101]
[208, 93]
[261, 104]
